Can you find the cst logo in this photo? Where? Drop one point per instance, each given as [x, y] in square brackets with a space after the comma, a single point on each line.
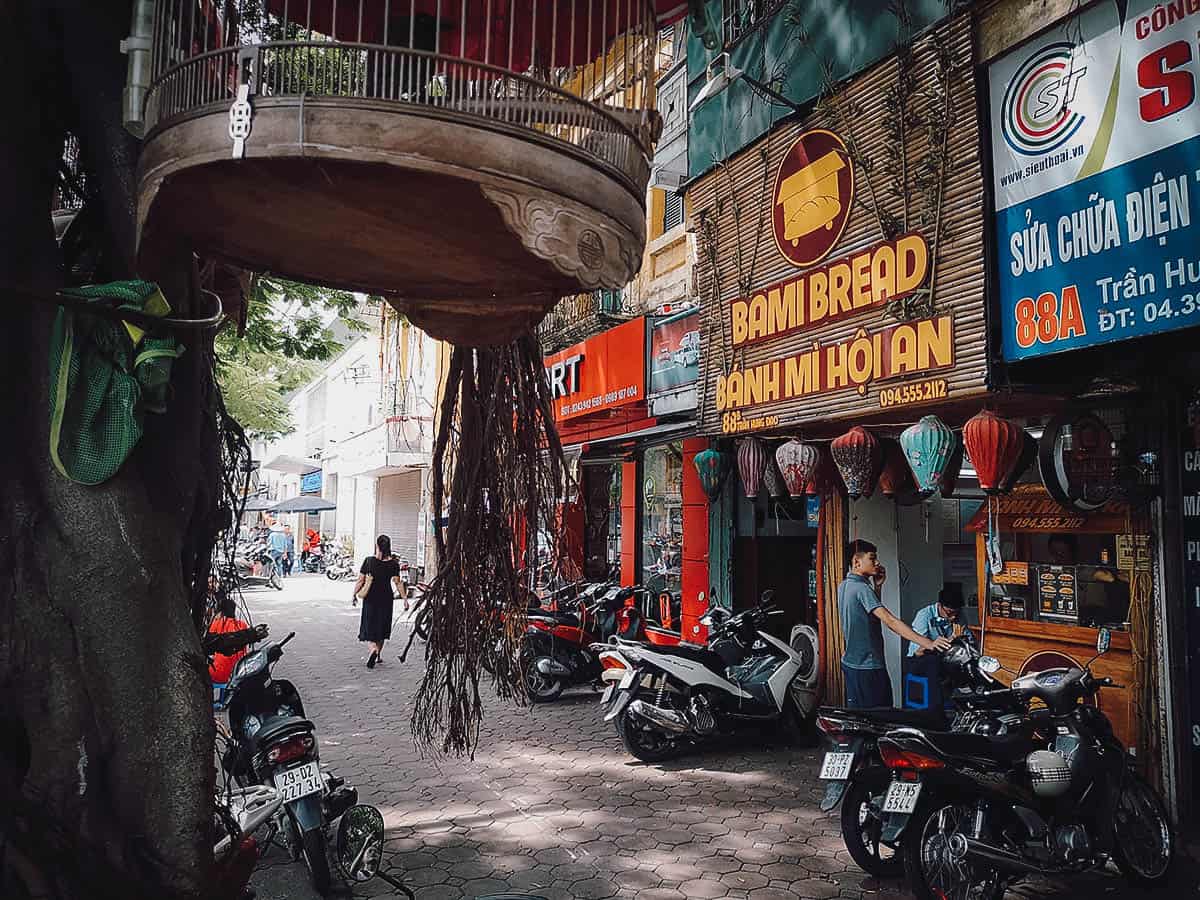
[1037, 116]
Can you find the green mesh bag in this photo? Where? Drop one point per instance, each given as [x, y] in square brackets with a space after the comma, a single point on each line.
[105, 375]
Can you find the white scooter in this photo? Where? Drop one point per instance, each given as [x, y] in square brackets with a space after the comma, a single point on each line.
[666, 698]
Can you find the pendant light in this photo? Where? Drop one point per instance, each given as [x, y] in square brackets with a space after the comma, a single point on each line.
[712, 466]
[895, 478]
[751, 457]
[858, 456]
[928, 447]
[797, 461]
[993, 445]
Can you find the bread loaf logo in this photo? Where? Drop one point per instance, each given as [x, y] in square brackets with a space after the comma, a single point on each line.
[814, 190]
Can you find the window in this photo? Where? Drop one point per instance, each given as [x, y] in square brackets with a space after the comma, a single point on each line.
[740, 17]
[672, 211]
[662, 519]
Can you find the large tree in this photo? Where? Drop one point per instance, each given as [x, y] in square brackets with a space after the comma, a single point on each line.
[104, 730]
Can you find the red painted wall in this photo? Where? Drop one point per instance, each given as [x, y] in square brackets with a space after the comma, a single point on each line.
[695, 544]
[629, 523]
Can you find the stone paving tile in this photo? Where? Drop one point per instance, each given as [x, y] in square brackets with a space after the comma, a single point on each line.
[553, 805]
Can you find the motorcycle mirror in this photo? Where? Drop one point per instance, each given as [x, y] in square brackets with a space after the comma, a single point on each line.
[989, 665]
[360, 843]
[706, 620]
[1103, 640]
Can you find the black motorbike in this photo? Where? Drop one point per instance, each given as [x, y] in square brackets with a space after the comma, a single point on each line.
[314, 562]
[274, 744]
[852, 766]
[976, 812]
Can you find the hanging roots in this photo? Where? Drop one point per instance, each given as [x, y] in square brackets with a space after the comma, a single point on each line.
[496, 436]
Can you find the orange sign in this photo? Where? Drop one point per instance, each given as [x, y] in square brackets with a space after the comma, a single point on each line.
[603, 372]
[814, 191]
[1014, 573]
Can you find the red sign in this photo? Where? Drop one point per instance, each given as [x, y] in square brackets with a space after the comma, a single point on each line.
[814, 191]
[603, 372]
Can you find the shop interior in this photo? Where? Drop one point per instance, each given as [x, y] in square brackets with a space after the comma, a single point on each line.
[775, 549]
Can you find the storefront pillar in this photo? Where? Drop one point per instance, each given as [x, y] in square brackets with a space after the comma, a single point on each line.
[629, 520]
[695, 545]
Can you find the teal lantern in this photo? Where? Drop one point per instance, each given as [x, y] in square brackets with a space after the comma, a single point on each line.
[928, 446]
[712, 466]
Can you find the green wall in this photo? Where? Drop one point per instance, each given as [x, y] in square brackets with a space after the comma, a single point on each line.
[850, 34]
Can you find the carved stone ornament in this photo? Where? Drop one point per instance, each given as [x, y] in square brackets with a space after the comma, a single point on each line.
[581, 243]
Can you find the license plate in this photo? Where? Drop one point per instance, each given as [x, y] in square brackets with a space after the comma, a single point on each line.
[837, 766]
[902, 797]
[607, 695]
[627, 679]
[301, 781]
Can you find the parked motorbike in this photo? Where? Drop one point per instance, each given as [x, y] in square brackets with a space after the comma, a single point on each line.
[669, 698]
[853, 767]
[315, 561]
[253, 566]
[339, 566]
[275, 745]
[976, 812]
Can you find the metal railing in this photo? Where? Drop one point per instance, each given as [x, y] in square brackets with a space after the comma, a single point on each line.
[581, 75]
[579, 316]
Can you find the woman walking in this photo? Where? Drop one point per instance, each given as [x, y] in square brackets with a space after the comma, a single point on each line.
[379, 575]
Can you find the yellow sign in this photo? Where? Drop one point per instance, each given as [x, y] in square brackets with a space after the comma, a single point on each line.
[866, 279]
[814, 193]
[909, 348]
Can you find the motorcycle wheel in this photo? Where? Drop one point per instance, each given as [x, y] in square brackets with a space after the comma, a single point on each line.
[331, 575]
[797, 729]
[275, 582]
[933, 872]
[421, 624]
[291, 835]
[644, 743]
[862, 823]
[541, 688]
[1143, 848]
[313, 847]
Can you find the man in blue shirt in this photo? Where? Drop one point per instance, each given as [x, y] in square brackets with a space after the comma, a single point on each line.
[863, 615]
[277, 547]
[939, 619]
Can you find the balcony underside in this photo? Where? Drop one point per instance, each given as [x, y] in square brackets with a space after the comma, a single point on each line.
[471, 227]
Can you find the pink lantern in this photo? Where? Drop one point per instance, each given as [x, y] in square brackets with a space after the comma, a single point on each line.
[752, 459]
[797, 462]
[858, 458]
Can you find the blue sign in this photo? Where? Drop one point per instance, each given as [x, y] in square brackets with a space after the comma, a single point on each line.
[1096, 179]
[812, 511]
[311, 483]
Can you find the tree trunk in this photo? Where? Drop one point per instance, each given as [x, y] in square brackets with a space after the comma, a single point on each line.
[106, 730]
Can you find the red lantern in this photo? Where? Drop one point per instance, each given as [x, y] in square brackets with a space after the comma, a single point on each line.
[1029, 452]
[953, 468]
[858, 456]
[994, 446]
[896, 477]
[752, 458]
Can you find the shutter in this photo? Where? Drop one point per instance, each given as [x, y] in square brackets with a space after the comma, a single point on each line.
[672, 211]
[398, 513]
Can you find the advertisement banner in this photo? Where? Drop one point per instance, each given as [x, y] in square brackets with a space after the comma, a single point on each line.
[675, 352]
[603, 372]
[1096, 178]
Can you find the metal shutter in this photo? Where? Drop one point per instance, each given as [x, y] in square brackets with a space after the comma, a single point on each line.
[398, 513]
[672, 211]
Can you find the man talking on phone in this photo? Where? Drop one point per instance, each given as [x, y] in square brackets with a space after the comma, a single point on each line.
[863, 614]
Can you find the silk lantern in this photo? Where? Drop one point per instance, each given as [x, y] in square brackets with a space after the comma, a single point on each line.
[994, 445]
[797, 462]
[752, 458]
[1029, 452]
[927, 447]
[857, 455]
[895, 478]
[772, 480]
[712, 466]
[825, 481]
[953, 469]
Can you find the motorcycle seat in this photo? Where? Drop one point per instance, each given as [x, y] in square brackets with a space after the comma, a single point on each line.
[702, 655]
[1006, 749]
[890, 715]
[284, 726]
[562, 618]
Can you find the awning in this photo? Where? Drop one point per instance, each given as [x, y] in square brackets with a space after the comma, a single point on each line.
[657, 432]
[293, 465]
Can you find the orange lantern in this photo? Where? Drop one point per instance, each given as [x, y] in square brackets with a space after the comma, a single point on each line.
[994, 445]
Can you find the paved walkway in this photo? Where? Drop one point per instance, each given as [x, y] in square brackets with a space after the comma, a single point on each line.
[552, 804]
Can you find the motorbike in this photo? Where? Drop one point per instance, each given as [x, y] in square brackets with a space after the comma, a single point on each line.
[315, 561]
[852, 767]
[253, 566]
[977, 812]
[670, 697]
[339, 566]
[275, 745]
[558, 647]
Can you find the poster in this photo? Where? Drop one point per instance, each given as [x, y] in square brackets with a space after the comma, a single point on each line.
[675, 352]
[1190, 484]
[1096, 178]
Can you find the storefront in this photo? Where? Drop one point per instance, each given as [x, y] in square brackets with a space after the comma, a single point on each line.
[841, 293]
[625, 407]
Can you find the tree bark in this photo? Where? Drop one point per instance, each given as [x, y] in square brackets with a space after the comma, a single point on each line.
[105, 713]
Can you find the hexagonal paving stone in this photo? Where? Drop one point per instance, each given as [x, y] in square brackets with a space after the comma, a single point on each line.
[812, 887]
[593, 889]
[703, 889]
[744, 881]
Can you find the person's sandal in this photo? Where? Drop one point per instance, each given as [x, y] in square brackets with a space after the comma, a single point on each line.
[372, 659]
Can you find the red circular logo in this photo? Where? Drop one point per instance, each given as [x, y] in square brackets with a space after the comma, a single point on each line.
[814, 190]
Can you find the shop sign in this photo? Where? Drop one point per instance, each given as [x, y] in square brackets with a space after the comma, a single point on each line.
[1190, 485]
[1028, 508]
[1013, 573]
[909, 348]
[1095, 137]
[1133, 552]
[311, 483]
[1077, 459]
[675, 352]
[603, 372]
[814, 192]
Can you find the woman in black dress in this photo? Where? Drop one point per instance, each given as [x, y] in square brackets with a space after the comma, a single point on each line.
[380, 574]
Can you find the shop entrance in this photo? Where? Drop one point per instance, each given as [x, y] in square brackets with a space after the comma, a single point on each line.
[775, 550]
[601, 486]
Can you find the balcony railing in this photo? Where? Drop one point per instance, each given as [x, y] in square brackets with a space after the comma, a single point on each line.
[580, 316]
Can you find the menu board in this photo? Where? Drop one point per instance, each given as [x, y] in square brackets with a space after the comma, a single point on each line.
[1058, 593]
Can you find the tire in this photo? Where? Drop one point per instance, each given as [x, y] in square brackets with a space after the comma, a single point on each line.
[644, 743]
[541, 688]
[421, 625]
[291, 836]
[795, 728]
[275, 582]
[862, 824]
[313, 848]
[924, 851]
[332, 576]
[1139, 822]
